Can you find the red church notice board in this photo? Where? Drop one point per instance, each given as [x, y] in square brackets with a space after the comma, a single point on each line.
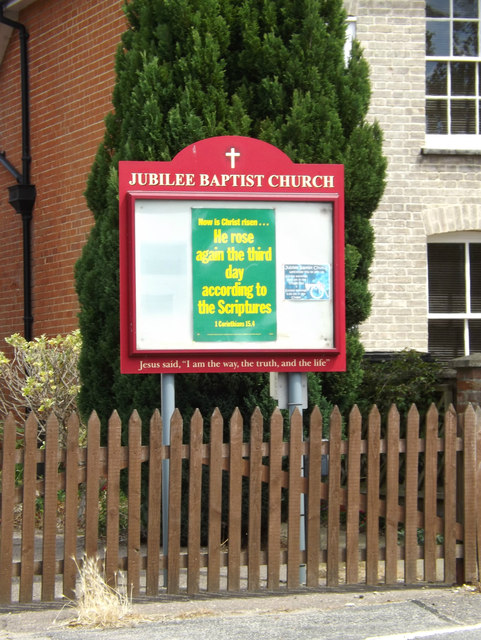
[231, 259]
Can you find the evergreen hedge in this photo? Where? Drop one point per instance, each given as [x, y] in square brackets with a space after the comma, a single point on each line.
[192, 69]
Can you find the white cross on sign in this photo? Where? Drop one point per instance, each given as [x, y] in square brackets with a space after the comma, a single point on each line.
[232, 154]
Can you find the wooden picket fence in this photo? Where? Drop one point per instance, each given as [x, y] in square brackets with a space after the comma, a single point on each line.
[401, 507]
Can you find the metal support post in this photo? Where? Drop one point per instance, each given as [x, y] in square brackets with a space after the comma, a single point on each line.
[295, 399]
[167, 387]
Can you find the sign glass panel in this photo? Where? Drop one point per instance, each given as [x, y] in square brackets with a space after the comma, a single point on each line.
[233, 275]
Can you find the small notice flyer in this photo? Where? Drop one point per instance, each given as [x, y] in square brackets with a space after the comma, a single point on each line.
[234, 278]
[307, 282]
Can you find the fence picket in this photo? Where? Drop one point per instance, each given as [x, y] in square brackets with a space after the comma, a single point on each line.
[70, 562]
[195, 498]
[28, 509]
[373, 504]
[411, 496]
[450, 496]
[175, 501]
[460, 494]
[235, 502]
[469, 434]
[134, 500]
[334, 499]
[255, 502]
[392, 496]
[478, 487]
[430, 494]
[50, 509]
[314, 499]
[113, 499]
[294, 501]
[154, 505]
[8, 500]
[353, 496]
[92, 486]
[215, 501]
[274, 526]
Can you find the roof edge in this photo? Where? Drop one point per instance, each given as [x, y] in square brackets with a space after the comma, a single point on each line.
[11, 9]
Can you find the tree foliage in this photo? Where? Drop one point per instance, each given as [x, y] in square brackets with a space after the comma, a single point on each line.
[192, 69]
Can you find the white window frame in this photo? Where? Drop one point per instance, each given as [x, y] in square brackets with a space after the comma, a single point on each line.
[351, 28]
[450, 141]
[466, 238]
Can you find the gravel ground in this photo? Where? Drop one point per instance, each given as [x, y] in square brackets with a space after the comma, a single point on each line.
[308, 615]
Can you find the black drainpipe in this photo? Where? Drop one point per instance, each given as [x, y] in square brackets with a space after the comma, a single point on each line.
[22, 195]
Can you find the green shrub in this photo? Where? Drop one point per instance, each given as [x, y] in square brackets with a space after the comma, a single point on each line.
[42, 376]
[403, 379]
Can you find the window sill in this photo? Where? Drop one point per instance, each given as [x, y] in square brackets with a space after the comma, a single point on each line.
[452, 145]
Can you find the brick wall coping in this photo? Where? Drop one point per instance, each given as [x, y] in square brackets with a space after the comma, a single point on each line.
[472, 361]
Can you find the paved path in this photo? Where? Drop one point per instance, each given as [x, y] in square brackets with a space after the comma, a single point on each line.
[401, 614]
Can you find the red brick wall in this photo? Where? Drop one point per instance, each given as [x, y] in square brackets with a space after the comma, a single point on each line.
[72, 49]
[468, 381]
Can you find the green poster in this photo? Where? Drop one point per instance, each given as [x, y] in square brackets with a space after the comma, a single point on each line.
[234, 275]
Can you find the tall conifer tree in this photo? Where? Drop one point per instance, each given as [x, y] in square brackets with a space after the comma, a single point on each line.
[192, 69]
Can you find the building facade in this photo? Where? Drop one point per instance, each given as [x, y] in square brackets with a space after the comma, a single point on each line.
[425, 63]
[425, 69]
[71, 49]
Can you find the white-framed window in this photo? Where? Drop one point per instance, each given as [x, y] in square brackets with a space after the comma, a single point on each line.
[454, 294]
[453, 74]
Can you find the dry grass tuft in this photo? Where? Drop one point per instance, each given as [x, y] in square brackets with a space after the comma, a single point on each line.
[474, 588]
[98, 604]
[192, 615]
